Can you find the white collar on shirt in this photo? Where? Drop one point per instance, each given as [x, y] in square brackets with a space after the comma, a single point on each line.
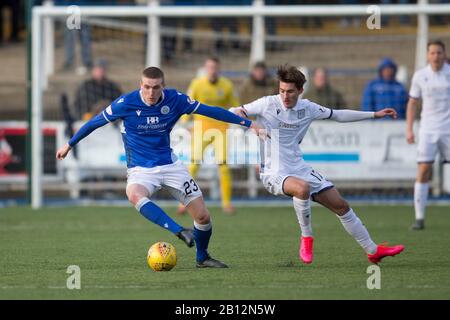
[445, 66]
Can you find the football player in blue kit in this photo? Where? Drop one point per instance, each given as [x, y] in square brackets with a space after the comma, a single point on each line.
[148, 115]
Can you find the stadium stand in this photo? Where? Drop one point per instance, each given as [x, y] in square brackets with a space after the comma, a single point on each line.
[351, 56]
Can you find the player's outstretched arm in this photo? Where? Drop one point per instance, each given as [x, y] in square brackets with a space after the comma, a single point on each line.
[389, 112]
[256, 127]
[352, 115]
[240, 111]
[63, 151]
[96, 122]
[227, 116]
[222, 115]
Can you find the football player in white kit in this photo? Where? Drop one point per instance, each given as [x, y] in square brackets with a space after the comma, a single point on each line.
[283, 172]
[432, 85]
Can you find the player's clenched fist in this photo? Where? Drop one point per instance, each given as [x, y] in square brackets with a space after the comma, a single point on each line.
[240, 112]
[410, 137]
[259, 130]
[386, 112]
[63, 151]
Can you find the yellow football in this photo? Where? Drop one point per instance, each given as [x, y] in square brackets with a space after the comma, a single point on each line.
[162, 256]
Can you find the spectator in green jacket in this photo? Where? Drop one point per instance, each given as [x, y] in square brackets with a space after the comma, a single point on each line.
[259, 84]
[321, 92]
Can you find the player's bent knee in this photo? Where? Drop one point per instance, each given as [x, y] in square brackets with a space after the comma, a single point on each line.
[303, 190]
[134, 196]
[203, 219]
[424, 172]
[202, 216]
[342, 207]
[422, 179]
[424, 176]
[198, 211]
[131, 197]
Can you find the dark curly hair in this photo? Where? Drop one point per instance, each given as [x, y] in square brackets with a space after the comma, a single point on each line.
[290, 74]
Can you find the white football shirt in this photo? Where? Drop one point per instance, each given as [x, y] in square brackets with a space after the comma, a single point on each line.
[281, 153]
[434, 89]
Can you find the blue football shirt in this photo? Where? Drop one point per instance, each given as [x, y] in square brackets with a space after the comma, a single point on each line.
[146, 128]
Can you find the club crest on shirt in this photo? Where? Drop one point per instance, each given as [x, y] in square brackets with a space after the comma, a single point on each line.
[138, 112]
[300, 114]
[278, 111]
[165, 109]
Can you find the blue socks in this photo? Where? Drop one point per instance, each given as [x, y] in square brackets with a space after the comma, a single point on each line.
[156, 215]
[202, 233]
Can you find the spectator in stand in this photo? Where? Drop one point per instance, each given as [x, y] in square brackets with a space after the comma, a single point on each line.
[258, 84]
[14, 20]
[84, 33]
[306, 22]
[219, 24]
[323, 93]
[350, 20]
[95, 92]
[404, 20]
[385, 90]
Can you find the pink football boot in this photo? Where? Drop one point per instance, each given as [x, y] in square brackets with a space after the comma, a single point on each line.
[306, 249]
[385, 251]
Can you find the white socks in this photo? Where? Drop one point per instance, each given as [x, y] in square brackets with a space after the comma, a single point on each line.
[352, 224]
[303, 211]
[420, 199]
[203, 227]
[358, 231]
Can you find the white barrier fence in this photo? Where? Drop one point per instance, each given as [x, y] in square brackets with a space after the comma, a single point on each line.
[359, 151]
[362, 154]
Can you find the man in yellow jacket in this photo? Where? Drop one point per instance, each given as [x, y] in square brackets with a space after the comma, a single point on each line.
[212, 89]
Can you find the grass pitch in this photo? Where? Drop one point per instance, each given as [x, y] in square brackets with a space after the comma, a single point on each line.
[259, 244]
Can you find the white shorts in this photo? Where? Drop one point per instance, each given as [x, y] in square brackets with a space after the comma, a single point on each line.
[317, 182]
[173, 177]
[430, 144]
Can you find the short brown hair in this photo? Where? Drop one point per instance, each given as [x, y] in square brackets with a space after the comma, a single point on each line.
[291, 74]
[436, 43]
[153, 73]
